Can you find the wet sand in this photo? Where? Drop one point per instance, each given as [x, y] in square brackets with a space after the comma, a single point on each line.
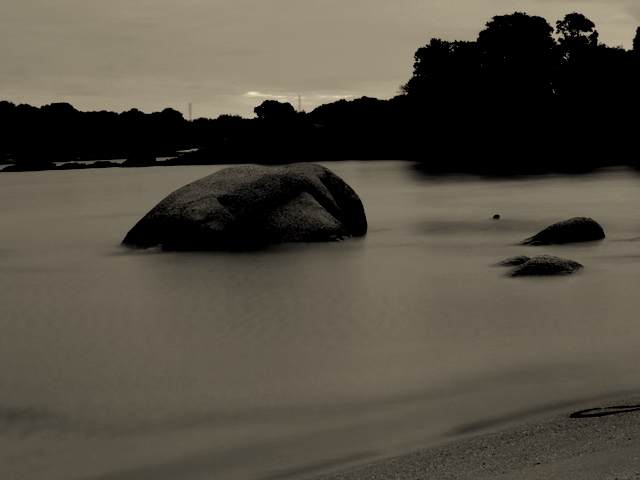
[600, 440]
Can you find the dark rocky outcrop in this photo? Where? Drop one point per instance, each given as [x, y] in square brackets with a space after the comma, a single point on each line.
[577, 229]
[34, 166]
[103, 164]
[513, 261]
[140, 161]
[249, 206]
[71, 166]
[546, 265]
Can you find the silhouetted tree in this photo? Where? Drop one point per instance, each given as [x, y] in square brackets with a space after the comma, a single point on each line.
[7, 131]
[443, 68]
[348, 112]
[485, 107]
[576, 32]
[27, 129]
[517, 55]
[34, 137]
[578, 42]
[635, 63]
[59, 127]
[275, 110]
[168, 132]
[6, 108]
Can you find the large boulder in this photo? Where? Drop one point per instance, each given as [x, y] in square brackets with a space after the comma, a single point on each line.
[545, 265]
[249, 206]
[577, 229]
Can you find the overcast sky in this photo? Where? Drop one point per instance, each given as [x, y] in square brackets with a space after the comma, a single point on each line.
[227, 56]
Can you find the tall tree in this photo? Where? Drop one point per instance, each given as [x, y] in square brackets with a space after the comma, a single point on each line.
[575, 26]
[517, 54]
[275, 110]
[576, 33]
[443, 69]
[578, 47]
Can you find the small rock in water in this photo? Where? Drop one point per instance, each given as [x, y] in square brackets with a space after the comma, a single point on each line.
[546, 265]
[576, 229]
[513, 261]
[496, 217]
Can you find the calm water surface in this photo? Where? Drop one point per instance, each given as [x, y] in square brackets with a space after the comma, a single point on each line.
[297, 359]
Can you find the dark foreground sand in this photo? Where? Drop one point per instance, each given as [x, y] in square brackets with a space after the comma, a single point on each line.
[602, 443]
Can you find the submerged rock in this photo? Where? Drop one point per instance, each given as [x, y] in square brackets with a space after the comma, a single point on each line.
[512, 261]
[546, 265]
[249, 206]
[577, 229]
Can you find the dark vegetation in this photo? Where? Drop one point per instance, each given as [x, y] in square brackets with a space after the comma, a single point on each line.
[523, 98]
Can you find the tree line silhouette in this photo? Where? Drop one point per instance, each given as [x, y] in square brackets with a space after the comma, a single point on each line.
[35, 137]
[516, 100]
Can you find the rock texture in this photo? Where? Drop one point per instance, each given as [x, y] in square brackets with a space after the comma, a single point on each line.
[249, 206]
[577, 229]
[545, 265]
[513, 261]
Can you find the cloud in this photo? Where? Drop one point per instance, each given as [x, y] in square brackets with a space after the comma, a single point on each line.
[264, 95]
[79, 88]
[634, 11]
[314, 96]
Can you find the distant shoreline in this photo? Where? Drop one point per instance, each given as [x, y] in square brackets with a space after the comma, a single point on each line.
[423, 167]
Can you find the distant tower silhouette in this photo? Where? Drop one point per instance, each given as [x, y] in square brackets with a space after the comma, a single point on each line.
[189, 112]
[299, 104]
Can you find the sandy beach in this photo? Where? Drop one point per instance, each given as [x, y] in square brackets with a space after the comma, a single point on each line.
[598, 440]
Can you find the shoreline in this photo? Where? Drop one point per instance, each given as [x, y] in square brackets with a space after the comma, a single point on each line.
[597, 439]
